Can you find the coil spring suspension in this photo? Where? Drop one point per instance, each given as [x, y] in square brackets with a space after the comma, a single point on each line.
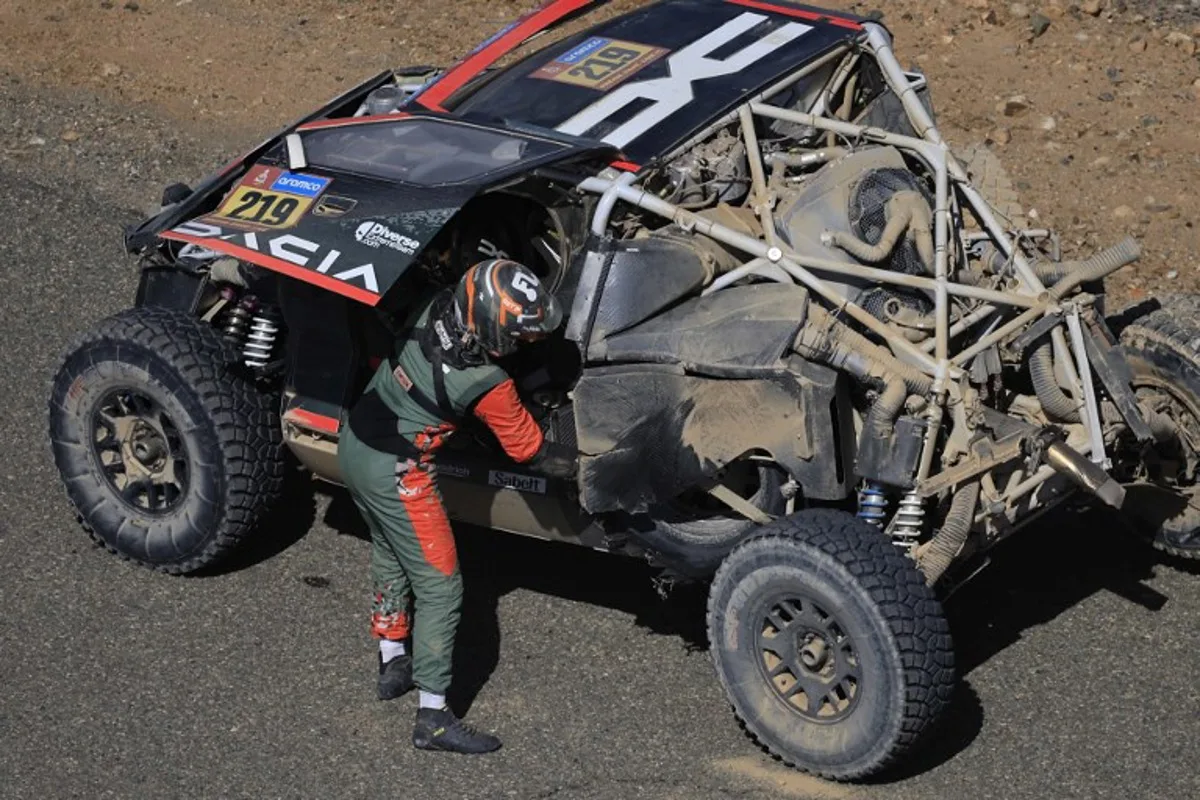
[260, 341]
[872, 504]
[908, 522]
[236, 321]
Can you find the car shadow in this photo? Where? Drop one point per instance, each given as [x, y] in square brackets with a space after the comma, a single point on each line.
[494, 564]
[285, 524]
[1039, 574]
[1045, 570]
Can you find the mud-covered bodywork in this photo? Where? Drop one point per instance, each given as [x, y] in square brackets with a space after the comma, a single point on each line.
[674, 397]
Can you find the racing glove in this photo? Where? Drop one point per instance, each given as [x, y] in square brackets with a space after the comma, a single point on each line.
[556, 460]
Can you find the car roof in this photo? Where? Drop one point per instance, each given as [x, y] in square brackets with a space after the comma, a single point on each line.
[644, 81]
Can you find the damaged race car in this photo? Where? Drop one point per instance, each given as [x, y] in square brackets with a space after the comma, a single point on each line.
[811, 355]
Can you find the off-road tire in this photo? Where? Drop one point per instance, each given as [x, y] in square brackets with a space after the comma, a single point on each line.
[227, 427]
[989, 176]
[1163, 347]
[695, 547]
[878, 599]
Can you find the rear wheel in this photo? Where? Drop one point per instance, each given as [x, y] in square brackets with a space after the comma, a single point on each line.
[168, 454]
[693, 532]
[990, 177]
[1163, 351]
[834, 653]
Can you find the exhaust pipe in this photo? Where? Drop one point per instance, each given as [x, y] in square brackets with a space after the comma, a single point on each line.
[1068, 461]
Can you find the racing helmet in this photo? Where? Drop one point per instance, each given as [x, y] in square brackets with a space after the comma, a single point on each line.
[501, 303]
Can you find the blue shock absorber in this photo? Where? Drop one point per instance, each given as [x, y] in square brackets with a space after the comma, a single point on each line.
[872, 505]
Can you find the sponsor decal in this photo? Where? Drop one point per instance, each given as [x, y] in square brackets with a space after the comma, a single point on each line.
[527, 285]
[299, 184]
[286, 247]
[600, 63]
[453, 470]
[376, 234]
[332, 205]
[693, 63]
[261, 176]
[402, 378]
[531, 484]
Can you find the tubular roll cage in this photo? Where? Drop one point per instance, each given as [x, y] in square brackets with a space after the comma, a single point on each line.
[774, 259]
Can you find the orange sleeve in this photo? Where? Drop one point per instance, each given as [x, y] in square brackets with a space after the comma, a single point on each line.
[503, 412]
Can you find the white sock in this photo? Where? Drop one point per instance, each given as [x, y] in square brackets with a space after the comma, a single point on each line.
[389, 649]
[431, 700]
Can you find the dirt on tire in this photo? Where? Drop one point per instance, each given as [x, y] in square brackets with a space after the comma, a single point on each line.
[882, 612]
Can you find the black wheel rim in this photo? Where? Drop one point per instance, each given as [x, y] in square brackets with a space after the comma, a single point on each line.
[808, 658]
[139, 451]
[1174, 462]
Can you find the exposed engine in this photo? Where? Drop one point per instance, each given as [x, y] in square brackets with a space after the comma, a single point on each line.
[713, 172]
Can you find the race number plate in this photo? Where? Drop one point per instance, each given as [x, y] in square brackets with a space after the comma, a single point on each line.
[600, 63]
[270, 199]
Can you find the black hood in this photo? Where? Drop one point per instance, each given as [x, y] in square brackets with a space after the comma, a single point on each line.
[648, 80]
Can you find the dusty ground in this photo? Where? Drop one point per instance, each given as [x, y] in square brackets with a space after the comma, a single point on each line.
[1097, 117]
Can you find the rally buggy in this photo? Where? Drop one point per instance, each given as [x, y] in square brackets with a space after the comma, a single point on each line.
[811, 354]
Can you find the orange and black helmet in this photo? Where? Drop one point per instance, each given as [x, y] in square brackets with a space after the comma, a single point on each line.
[502, 303]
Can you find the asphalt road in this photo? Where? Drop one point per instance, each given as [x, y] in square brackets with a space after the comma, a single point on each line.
[1079, 649]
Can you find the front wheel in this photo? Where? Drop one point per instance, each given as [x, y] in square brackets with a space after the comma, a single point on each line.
[834, 653]
[169, 455]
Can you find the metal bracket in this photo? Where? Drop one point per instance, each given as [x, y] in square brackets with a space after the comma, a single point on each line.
[1034, 332]
[1110, 366]
[740, 504]
[1089, 391]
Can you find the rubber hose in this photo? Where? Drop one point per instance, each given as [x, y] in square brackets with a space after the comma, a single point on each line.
[1099, 265]
[1051, 273]
[823, 338]
[905, 210]
[881, 419]
[1054, 400]
[949, 540]
[874, 253]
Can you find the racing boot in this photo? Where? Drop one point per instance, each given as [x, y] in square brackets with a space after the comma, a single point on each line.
[395, 677]
[439, 729]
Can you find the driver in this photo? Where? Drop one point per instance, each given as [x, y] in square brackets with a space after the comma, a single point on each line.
[441, 371]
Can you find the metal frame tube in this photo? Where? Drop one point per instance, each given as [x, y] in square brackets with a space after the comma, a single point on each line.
[608, 199]
[755, 247]
[941, 215]
[1091, 409]
[931, 154]
[1013, 325]
[758, 181]
[779, 261]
